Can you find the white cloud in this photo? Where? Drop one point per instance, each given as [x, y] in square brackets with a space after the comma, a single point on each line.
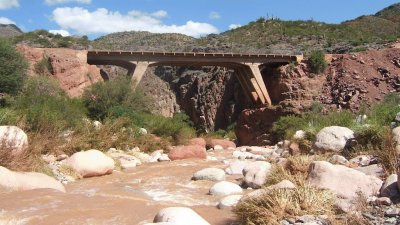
[214, 15]
[54, 2]
[103, 21]
[4, 20]
[63, 33]
[6, 4]
[234, 26]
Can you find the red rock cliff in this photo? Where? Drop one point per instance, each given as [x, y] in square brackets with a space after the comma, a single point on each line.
[68, 66]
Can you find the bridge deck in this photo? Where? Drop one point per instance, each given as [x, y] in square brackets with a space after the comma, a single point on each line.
[171, 56]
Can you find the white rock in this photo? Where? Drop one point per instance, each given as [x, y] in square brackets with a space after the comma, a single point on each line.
[164, 158]
[333, 138]
[218, 148]
[143, 131]
[155, 156]
[343, 181]
[97, 124]
[255, 173]
[338, 159]
[247, 155]
[229, 201]
[212, 174]
[236, 167]
[223, 188]
[90, 163]
[256, 150]
[15, 181]
[179, 216]
[13, 140]
[361, 160]
[300, 134]
[143, 157]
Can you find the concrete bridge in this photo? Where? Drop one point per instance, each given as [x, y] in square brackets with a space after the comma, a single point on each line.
[246, 66]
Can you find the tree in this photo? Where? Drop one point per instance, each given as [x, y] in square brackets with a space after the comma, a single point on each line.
[317, 62]
[12, 69]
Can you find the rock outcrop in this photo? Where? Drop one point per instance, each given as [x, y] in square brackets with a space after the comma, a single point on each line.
[68, 66]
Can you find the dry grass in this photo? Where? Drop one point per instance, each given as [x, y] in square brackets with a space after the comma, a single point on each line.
[295, 170]
[389, 158]
[70, 172]
[276, 205]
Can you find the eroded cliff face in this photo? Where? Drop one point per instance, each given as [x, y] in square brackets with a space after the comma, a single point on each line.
[349, 81]
[68, 66]
[211, 96]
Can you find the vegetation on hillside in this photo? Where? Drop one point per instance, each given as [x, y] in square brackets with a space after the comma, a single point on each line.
[45, 39]
[13, 69]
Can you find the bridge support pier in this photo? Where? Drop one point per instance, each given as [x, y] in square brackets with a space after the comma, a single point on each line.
[138, 73]
[251, 80]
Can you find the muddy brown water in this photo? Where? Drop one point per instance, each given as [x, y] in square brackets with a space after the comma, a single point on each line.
[129, 197]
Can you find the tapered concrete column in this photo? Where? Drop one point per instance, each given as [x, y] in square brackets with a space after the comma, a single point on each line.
[139, 72]
[258, 83]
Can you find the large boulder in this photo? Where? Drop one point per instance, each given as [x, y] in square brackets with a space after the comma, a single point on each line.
[236, 167]
[229, 201]
[223, 188]
[15, 181]
[396, 137]
[221, 142]
[188, 152]
[179, 216]
[255, 173]
[91, 163]
[212, 174]
[389, 188]
[13, 140]
[345, 182]
[333, 138]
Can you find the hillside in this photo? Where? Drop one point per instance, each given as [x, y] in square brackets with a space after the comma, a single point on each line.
[9, 30]
[272, 36]
[391, 13]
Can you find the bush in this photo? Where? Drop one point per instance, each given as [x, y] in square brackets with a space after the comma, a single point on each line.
[384, 112]
[317, 62]
[46, 108]
[311, 122]
[102, 98]
[12, 69]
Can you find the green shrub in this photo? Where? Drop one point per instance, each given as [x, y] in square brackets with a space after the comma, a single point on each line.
[44, 66]
[101, 98]
[311, 122]
[317, 62]
[12, 69]
[46, 108]
[384, 112]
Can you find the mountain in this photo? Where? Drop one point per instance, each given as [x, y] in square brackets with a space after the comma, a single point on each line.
[272, 35]
[391, 13]
[9, 30]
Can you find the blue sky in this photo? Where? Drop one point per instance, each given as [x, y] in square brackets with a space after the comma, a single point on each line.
[192, 17]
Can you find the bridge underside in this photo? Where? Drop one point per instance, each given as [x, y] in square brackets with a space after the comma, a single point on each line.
[247, 68]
